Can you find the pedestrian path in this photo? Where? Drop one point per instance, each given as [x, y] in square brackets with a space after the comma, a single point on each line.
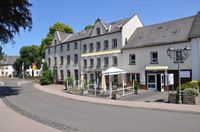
[59, 90]
[10, 121]
[14, 122]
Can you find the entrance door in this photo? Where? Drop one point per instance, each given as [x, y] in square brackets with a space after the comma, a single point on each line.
[162, 82]
[152, 81]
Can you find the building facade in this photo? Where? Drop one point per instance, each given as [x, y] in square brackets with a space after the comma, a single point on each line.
[126, 44]
[89, 52]
[6, 66]
[148, 60]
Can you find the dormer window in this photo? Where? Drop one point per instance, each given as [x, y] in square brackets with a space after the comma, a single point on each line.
[98, 31]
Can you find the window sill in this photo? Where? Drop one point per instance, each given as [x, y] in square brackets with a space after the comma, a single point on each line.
[154, 63]
[132, 63]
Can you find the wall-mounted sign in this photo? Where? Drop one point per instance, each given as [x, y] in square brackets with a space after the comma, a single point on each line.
[170, 79]
[185, 74]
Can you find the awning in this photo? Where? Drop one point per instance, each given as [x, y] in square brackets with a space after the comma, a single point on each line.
[113, 71]
[156, 67]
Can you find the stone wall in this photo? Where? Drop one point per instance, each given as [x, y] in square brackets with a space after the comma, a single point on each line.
[189, 99]
[186, 98]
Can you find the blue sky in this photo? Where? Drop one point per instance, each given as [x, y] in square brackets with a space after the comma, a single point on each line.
[79, 13]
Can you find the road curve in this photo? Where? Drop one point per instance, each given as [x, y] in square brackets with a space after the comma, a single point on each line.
[88, 117]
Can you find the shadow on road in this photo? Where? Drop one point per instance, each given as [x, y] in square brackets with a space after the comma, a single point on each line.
[9, 91]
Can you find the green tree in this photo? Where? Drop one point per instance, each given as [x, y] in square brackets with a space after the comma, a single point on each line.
[47, 75]
[14, 14]
[2, 54]
[28, 55]
[48, 39]
[88, 27]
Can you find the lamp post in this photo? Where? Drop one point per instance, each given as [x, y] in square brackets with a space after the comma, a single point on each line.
[178, 55]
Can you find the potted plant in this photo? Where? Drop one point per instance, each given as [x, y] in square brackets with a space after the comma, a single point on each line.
[115, 96]
[65, 83]
[136, 87]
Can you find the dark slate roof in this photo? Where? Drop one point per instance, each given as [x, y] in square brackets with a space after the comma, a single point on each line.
[195, 31]
[113, 26]
[163, 33]
[8, 60]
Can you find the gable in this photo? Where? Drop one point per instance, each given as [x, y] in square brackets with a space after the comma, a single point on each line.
[98, 25]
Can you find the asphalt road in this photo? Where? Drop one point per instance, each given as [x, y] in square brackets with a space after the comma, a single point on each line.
[89, 117]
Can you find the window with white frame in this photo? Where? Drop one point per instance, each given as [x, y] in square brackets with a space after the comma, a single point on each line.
[55, 61]
[49, 61]
[98, 46]
[106, 45]
[115, 61]
[84, 63]
[49, 50]
[154, 57]
[98, 31]
[106, 61]
[91, 62]
[75, 45]
[68, 47]
[132, 59]
[84, 48]
[114, 43]
[61, 60]
[68, 59]
[61, 48]
[61, 75]
[98, 62]
[75, 58]
[91, 47]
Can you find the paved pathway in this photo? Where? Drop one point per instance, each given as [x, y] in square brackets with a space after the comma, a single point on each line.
[10, 121]
[59, 90]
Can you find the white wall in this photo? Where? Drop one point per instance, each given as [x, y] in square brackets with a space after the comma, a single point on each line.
[129, 28]
[195, 58]
[58, 54]
[101, 39]
[143, 58]
[5, 71]
[36, 72]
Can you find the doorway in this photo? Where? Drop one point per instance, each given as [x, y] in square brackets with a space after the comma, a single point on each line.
[152, 81]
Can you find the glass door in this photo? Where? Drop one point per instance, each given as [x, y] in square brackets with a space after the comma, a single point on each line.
[152, 81]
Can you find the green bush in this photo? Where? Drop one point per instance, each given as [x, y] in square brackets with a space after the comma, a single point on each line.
[191, 84]
[136, 85]
[190, 91]
[46, 78]
[47, 75]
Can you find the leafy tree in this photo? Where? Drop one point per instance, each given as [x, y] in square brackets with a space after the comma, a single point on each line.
[14, 14]
[88, 27]
[28, 55]
[47, 75]
[48, 39]
[2, 54]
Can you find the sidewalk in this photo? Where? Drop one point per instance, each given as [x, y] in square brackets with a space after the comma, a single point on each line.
[58, 90]
[14, 122]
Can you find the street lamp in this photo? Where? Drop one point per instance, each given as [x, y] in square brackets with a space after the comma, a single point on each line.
[178, 55]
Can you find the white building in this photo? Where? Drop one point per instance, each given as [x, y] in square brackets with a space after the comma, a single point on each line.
[36, 73]
[6, 66]
[195, 40]
[145, 55]
[126, 44]
[89, 52]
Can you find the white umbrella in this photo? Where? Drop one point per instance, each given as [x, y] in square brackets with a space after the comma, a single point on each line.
[103, 82]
